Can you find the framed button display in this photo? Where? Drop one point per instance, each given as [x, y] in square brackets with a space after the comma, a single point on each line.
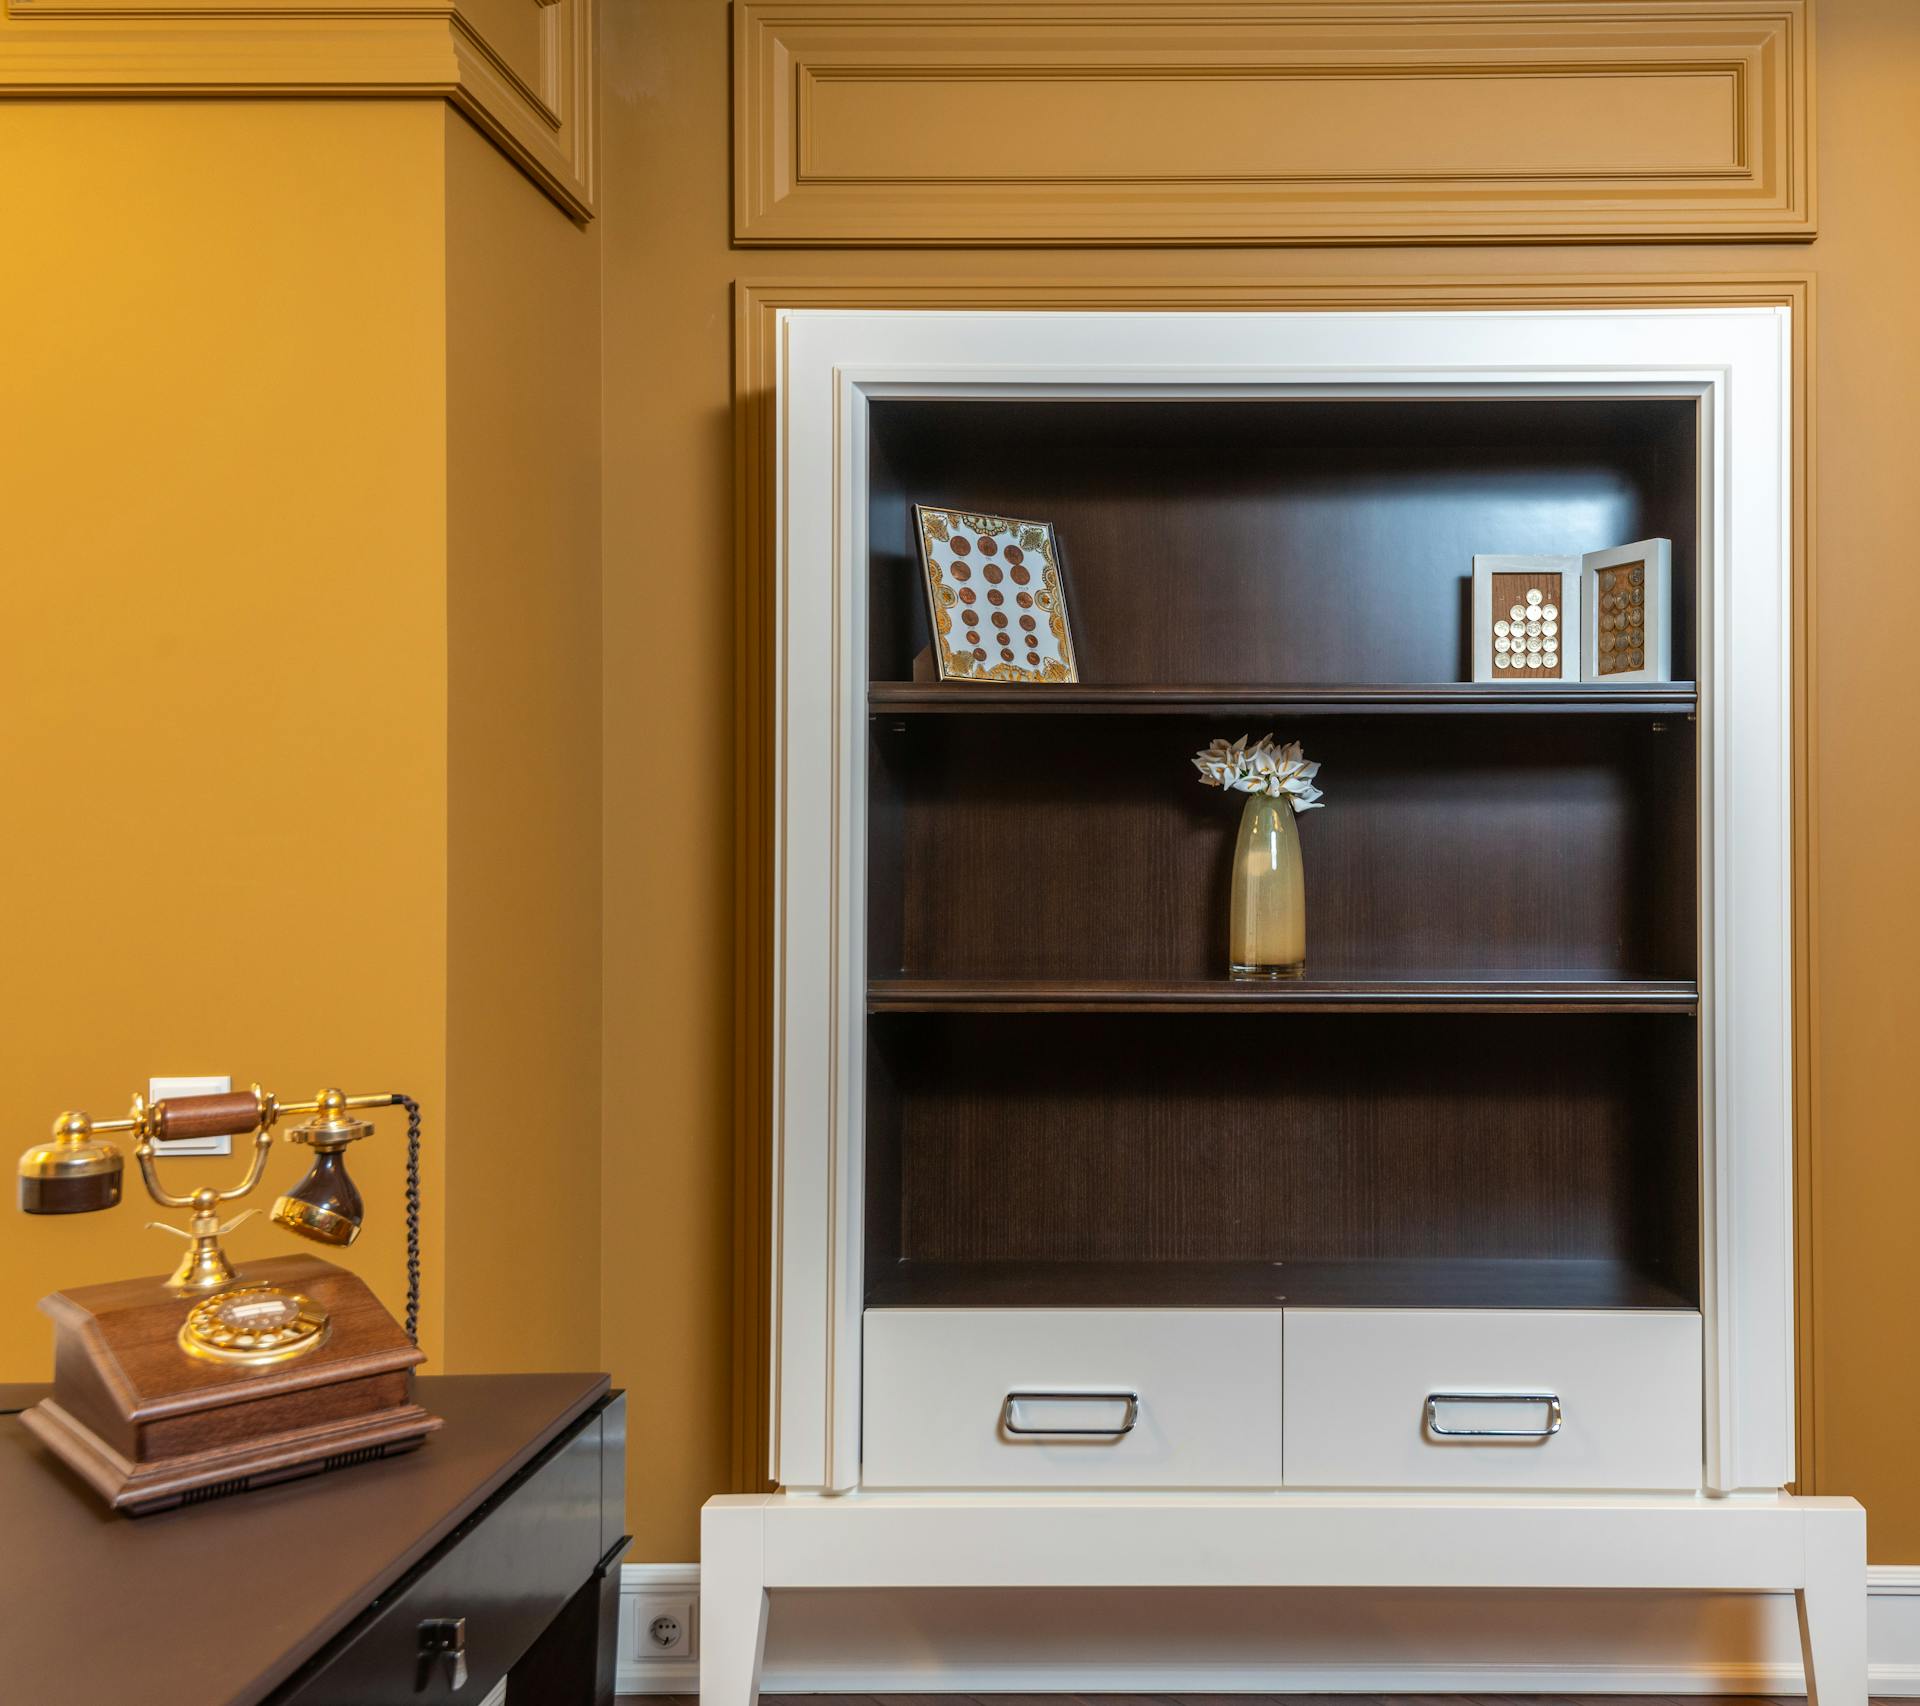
[1629, 605]
[996, 596]
[1526, 619]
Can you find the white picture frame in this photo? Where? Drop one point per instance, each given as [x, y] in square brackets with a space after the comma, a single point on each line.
[1557, 578]
[1654, 558]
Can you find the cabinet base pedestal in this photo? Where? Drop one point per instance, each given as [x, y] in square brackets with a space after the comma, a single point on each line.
[754, 1544]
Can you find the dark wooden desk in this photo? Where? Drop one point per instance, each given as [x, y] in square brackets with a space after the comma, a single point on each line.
[311, 1593]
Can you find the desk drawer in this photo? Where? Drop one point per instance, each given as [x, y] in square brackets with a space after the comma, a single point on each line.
[1492, 1398]
[1071, 1398]
[508, 1575]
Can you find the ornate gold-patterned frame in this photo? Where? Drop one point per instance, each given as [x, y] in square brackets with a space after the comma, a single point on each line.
[1051, 598]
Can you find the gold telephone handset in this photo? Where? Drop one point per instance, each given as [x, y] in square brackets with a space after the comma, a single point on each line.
[77, 1171]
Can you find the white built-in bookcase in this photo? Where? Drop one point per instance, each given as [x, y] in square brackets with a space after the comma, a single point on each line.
[1213, 1434]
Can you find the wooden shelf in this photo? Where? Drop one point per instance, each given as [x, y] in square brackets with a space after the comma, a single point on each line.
[1436, 1283]
[1047, 888]
[1478, 994]
[1670, 699]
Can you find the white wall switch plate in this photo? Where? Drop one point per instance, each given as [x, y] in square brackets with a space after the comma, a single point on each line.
[160, 1089]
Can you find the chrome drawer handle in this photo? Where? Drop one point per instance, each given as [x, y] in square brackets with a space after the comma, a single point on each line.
[1555, 1415]
[1130, 1399]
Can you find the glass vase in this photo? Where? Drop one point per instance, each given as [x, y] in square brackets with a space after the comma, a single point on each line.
[1267, 935]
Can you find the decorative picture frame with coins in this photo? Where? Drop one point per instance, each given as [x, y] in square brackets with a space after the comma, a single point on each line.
[996, 596]
[1526, 620]
[1628, 594]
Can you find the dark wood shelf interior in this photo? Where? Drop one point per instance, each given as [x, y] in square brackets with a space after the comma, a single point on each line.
[1225, 1138]
[1300, 541]
[961, 698]
[1308, 994]
[1434, 1284]
[1055, 848]
[1485, 1090]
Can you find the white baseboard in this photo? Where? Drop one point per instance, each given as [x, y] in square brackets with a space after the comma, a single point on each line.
[979, 1643]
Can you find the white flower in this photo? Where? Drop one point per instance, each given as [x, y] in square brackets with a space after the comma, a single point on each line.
[1261, 768]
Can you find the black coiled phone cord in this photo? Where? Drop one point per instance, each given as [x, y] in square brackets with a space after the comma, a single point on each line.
[413, 1215]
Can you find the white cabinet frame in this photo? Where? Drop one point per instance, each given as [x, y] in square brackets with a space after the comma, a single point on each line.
[1735, 361]
[1737, 1531]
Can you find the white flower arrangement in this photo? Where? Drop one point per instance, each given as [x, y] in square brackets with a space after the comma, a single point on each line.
[1261, 768]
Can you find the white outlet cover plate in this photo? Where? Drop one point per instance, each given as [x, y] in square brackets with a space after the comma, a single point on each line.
[643, 1608]
[159, 1089]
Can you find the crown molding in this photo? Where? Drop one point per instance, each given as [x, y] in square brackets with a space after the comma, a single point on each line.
[916, 123]
[534, 101]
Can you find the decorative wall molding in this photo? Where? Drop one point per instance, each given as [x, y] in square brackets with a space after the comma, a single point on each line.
[529, 88]
[1144, 122]
[1393, 1666]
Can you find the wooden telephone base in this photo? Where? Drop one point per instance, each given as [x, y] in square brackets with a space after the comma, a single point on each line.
[150, 1426]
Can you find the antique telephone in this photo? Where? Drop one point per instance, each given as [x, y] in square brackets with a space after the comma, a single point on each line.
[217, 1379]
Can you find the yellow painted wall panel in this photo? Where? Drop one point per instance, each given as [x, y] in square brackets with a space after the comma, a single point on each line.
[523, 628]
[222, 657]
[1866, 1131]
[967, 129]
[667, 1163]
[1058, 122]
[669, 499]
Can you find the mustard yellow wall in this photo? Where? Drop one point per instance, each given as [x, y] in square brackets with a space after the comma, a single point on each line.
[523, 897]
[667, 1164]
[222, 638]
[1865, 1283]
[304, 384]
[300, 488]
[669, 515]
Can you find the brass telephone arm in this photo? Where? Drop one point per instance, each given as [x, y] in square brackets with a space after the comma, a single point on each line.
[231, 1115]
[149, 1123]
[310, 1209]
[77, 1172]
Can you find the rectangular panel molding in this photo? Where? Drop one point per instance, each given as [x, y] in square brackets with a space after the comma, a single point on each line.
[521, 70]
[1142, 122]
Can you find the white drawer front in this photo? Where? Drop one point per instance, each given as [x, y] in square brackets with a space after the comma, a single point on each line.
[1627, 1387]
[937, 1384]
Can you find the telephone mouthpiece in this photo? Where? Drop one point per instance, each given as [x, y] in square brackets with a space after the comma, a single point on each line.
[325, 1206]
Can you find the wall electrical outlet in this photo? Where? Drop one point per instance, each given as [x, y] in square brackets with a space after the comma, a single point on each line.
[664, 1624]
[159, 1089]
